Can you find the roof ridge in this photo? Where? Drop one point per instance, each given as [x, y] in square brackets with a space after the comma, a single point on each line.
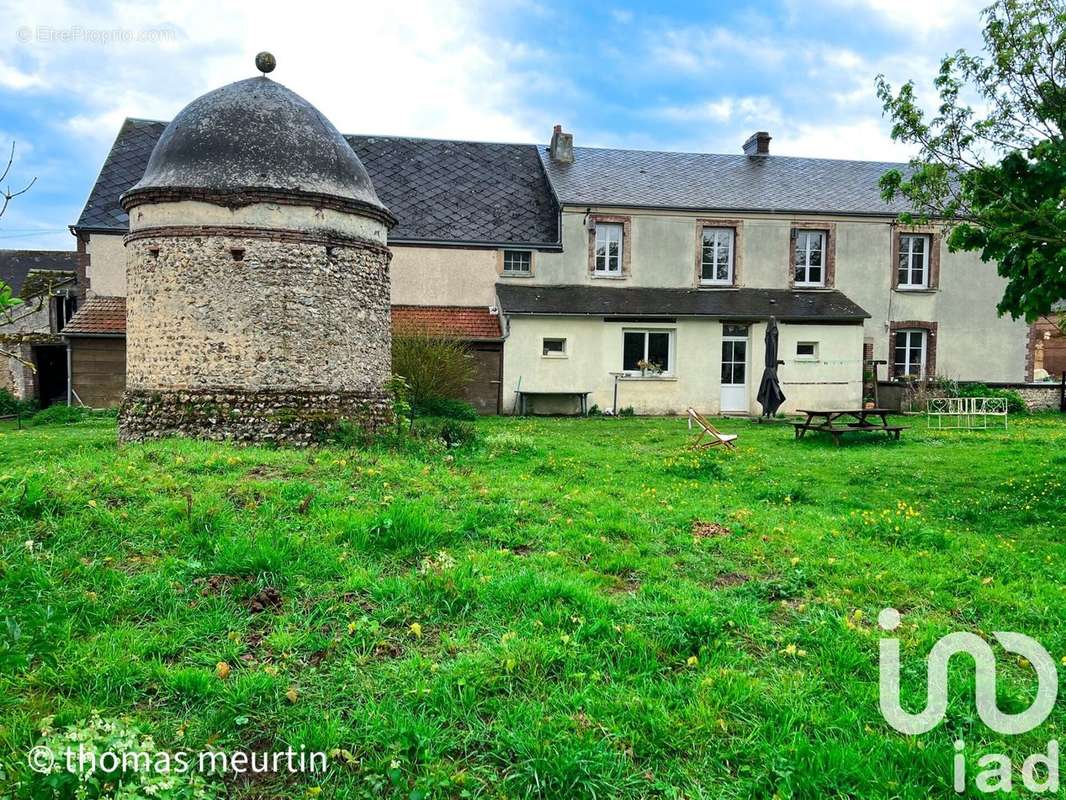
[405, 137]
[735, 155]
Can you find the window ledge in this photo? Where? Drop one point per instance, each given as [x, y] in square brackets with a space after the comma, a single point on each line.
[906, 290]
[666, 378]
[729, 287]
[797, 287]
[521, 275]
[554, 357]
[599, 277]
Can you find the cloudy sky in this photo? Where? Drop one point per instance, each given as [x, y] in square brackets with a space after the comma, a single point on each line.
[667, 75]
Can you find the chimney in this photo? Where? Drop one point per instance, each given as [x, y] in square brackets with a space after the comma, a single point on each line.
[562, 146]
[758, 144]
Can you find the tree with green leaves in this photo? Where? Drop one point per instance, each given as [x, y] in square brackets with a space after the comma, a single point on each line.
[992, 160]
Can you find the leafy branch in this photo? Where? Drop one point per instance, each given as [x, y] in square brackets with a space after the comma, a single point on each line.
[994, 171]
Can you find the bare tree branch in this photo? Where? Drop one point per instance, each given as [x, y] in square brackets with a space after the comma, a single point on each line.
[7, 195]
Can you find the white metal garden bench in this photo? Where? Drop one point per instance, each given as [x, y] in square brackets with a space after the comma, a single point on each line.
[966, 413]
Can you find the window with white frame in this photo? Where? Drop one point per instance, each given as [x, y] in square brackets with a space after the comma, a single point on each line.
[909, 354]
[609, 248]
[553, 347]
[647, 352]
[806, 351]
[913, 261]
[809, 258]
[517, 262]
[716, 262]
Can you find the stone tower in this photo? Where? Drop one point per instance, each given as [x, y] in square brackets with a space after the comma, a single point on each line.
[258, 275]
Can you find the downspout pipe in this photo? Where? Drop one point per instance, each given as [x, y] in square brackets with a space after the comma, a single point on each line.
[70, 376]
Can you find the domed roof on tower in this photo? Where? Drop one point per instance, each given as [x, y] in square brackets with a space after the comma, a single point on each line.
[256, 141]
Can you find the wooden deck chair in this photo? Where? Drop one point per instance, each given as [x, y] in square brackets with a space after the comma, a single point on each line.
[713, 436]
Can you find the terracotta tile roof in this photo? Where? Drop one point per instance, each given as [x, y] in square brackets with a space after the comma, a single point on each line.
[103, 316]
[100, 316]
[462, 322]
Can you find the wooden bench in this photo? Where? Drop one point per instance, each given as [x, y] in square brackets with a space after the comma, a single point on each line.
[836, 431]
[17, 417]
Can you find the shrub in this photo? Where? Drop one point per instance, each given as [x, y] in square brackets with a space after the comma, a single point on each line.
[1015, 403]
[66, 415]
[9, 405]
[446, 407]
[434, 367]
[918, 394]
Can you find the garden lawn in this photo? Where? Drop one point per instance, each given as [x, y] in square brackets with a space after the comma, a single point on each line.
[567, 608]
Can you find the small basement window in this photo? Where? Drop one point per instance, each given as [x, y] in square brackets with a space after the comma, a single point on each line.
[554, 348]
[517, 262]
[807, 351]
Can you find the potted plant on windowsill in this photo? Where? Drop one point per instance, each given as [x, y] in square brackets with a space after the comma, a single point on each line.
[648, 368]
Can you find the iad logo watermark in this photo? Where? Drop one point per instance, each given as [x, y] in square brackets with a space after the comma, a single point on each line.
[997, 773]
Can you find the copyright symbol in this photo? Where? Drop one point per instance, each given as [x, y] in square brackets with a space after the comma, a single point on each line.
[41, 759]
[25, 33]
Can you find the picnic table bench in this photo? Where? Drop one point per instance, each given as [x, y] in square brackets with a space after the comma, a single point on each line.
[865, 420]
[17, 416]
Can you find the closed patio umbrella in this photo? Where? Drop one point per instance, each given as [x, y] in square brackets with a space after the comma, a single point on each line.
[770, 396]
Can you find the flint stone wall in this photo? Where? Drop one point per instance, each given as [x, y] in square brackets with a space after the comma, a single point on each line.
[1041, 398]
[245, 417]
[276, 337]
[287, 315]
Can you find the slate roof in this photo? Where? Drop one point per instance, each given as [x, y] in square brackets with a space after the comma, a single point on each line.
[461, 322]
[123, 167]
[99, 316]
[709, 182]
[447, 191]
[825, 305]
[15, 265]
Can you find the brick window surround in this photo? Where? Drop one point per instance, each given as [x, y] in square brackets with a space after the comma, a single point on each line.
[933, 265]
[627, 244]
[830, 253]
[738, 259]
[930, 345]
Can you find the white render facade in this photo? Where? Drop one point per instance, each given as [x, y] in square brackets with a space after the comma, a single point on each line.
[950, 316]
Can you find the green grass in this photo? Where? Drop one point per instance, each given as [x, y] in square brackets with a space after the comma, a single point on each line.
[577, 640]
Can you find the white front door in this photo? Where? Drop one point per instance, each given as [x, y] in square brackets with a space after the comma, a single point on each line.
[734, 369]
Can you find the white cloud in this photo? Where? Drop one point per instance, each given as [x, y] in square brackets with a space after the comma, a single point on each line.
[863, 140]
[921, 18]
[756, 110]
[698, 48]
[426, 68]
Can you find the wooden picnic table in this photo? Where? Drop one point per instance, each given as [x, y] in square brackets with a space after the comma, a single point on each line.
[825, 420]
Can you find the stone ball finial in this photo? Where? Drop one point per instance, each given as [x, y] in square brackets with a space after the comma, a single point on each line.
[265, 62]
